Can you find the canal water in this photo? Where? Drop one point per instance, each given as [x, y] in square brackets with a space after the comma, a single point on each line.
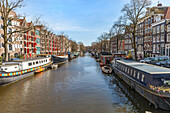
[78, 86]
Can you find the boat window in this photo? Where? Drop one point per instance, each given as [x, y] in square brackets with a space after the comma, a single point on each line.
[134, 73]
[143, 76]
[33, 63]
[39, 62]
[36, 62]
[42, 61]
[15, 67]
[138, 75]
[30, 64]
[5, 69]
[46, 60]
[131, 72]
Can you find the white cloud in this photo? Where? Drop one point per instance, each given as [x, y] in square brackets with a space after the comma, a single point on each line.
[67, 27]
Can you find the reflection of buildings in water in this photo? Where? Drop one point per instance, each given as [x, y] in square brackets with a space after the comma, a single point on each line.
[25, 88]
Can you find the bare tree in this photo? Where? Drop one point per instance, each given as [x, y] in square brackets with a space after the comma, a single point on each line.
[133, 11]
[118, 29]
[74, 46]
[6, 8]
[82, 47]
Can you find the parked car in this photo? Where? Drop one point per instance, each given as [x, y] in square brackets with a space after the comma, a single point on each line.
[162, 60]
[154, 60]
[147, 60]
[164, 63]
[167, 63]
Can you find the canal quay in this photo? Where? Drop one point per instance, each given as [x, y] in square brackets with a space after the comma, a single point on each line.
[78, 86]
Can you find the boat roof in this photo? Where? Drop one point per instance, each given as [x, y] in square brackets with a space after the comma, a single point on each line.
[26, 60]
[149, 68]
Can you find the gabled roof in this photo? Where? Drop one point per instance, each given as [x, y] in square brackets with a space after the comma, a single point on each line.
[168, 13]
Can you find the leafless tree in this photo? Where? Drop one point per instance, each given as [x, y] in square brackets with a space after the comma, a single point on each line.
[133, 11]
[82, 47]
[118, 29]
[74, 46]
[6, 8]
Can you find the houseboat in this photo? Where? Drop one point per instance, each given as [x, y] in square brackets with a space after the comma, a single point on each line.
[105, 58]
[15, 70]
[151, 82]
[60, 58]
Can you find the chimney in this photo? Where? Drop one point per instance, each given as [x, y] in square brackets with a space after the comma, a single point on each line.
[159, 4]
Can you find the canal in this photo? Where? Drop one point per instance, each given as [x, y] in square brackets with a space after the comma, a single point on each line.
[78, 86]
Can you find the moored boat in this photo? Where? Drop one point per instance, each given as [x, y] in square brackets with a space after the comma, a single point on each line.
[59, 59]
[101, 64]
[15, 70]
[151, 82]
[39, 70]
[106, 69]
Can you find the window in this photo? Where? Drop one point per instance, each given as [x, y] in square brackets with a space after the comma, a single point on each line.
[154, 38]
[30, 64]
[143, 76]
[158, 38]
[158, 29]
[162, 37]
[36, 62]
[168, 28]
[1, 26]
[168, 37]
[10, 47]
[134, 73]
[162, 28]
[131, 72]
[33, 63]
[138, 75]
[154, 48]
[158, 48]
[37, 32]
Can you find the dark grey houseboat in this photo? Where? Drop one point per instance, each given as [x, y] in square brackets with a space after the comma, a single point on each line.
[152, 82]
[59, 59]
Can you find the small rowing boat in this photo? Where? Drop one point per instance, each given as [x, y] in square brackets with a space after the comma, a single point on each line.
[107, 69]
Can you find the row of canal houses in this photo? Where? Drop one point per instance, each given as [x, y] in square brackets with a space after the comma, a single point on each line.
[153, 34]
[36, 41]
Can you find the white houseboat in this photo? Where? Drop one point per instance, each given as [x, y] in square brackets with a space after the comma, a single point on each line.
[15, 70]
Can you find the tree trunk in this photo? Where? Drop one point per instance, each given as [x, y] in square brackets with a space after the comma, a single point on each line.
[134, 43]
[135, 51]
[117, 43]
[6, 51]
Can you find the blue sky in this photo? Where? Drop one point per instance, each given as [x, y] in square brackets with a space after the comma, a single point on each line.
[81, 20]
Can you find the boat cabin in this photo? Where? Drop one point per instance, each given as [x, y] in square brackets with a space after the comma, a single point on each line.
[19, 65]
[146, 74]
[119, 55]
[105, 57]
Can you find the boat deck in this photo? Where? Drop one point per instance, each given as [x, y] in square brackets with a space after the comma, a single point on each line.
[152, 69]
